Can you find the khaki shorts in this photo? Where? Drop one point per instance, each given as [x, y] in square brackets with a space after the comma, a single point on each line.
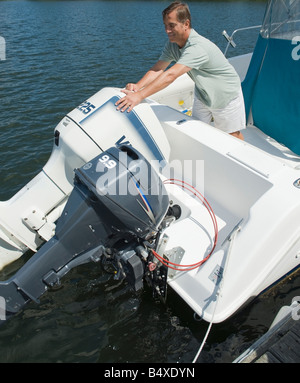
[229, 119]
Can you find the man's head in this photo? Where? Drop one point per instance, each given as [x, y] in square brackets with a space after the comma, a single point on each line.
[177, 21]
[182, 12]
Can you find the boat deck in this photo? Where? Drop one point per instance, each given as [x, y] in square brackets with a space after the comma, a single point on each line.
[281, 344]
[256, 137]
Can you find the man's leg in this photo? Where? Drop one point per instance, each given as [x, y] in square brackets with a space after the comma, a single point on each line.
[237, 135]
[232, 118]
[201, 111]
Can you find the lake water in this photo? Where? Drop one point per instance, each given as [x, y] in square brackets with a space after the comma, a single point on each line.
[58, 54]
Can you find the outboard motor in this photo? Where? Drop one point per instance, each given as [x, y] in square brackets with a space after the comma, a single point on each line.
[113, 215]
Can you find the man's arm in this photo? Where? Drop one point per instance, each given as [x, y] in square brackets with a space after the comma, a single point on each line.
[150, 76]
[159, 81]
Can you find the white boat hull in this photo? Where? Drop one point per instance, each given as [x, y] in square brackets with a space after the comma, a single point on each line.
[253, 194]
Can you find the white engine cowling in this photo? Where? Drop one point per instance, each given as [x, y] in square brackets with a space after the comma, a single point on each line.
[28, 218]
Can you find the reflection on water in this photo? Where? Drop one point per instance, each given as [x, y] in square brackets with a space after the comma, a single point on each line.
[93, 318]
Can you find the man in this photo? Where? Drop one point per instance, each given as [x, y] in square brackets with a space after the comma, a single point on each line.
[218, 93]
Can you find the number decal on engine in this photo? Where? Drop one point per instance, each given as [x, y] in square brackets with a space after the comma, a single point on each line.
[86, 107]
[105, 159]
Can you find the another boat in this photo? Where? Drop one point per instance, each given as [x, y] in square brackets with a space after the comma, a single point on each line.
[157, 196]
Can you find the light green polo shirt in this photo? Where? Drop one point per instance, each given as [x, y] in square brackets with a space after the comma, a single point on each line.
[216, 81]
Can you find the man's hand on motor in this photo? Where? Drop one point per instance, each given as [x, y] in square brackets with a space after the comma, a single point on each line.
[128, 102]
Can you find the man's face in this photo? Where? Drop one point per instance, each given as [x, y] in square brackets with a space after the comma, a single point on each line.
[176, 30]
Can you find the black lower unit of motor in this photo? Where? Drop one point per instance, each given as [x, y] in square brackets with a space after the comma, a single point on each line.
[100, 225]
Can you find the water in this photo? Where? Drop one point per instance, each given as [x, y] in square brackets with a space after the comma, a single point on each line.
[57, 55]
